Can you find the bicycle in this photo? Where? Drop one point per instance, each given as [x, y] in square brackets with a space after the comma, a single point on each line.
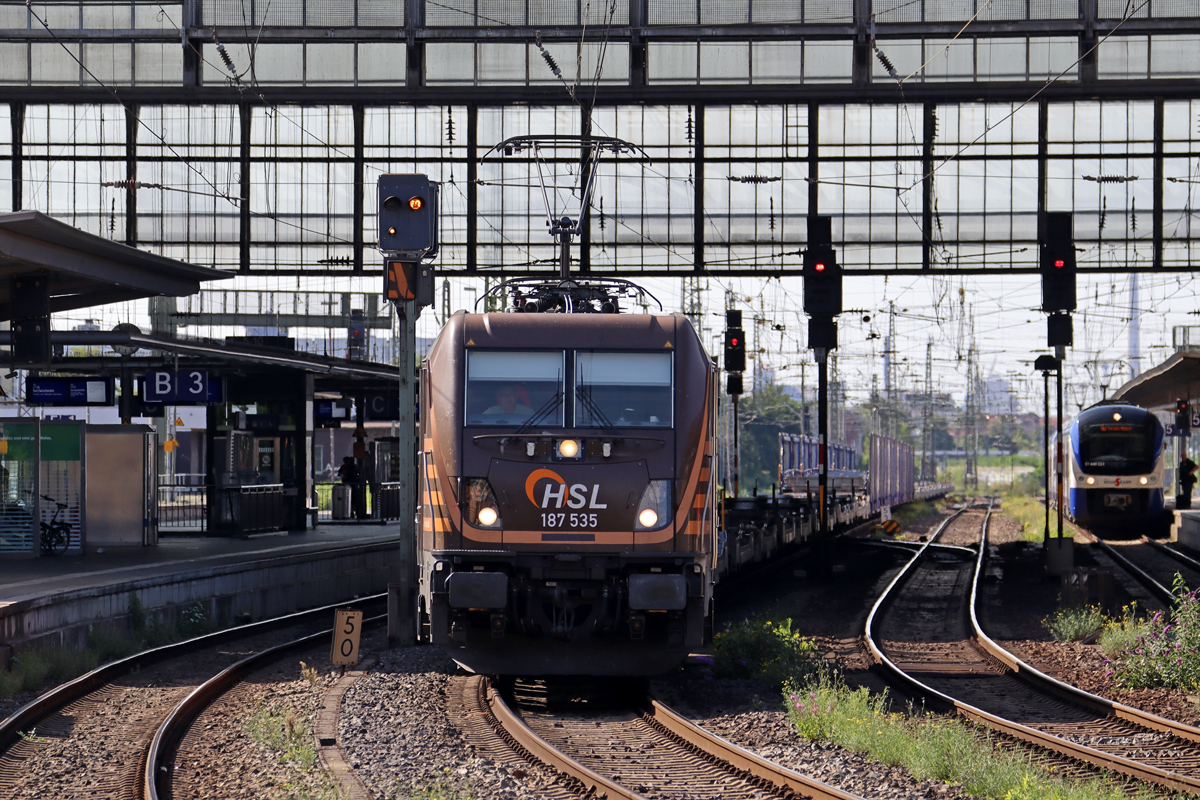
[56, 534]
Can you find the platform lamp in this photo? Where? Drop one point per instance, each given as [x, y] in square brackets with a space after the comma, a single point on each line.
[1046, 365]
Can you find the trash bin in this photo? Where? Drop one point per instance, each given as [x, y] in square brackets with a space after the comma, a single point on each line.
[342, 508]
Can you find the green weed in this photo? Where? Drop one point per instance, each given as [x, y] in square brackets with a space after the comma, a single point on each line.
[283, 733]
[930, 747]
[769, 651]
[34, 668]
[1166, 651]
[1122, 632]
[909, 513]
[310, 674]
[1074, 623]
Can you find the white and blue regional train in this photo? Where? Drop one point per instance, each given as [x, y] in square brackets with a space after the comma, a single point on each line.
[1113, 469]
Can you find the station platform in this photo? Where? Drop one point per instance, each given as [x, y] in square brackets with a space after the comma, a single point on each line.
[1186, 529]
[57, 601]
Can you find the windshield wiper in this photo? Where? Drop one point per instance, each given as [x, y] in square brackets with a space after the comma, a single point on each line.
[549, 407]
[585, 397]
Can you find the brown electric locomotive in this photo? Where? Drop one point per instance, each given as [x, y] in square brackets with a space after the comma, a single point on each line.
[567, 519]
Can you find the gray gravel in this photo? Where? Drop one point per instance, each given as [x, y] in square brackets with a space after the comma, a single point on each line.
[769, 734]
[396, 730]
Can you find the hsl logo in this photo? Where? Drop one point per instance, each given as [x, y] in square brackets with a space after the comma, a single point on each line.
[575, 495]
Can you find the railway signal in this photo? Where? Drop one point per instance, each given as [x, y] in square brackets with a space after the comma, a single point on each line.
[1183, 418]
[822, 274]
[1057, 263]
[408, 216]
[822, 302]
[735, 350]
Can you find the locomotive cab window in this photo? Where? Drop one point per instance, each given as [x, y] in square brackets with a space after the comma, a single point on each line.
[1109, 448]
[514, 388]
[623, 390]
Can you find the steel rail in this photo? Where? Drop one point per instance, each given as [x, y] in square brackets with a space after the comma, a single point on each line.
[172, 729]
[673, 725]
[595, 784]
[1140, 575]
[1181, 557]
[695, 737]
[1041, 680]
[28, 715]
[908, 547]
[1098, 758]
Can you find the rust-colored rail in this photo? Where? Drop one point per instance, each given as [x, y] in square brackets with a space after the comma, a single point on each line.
[156, 777]
[692, 735]
[591, 783]
[31, 713]
[1082, 753]
[658, 721]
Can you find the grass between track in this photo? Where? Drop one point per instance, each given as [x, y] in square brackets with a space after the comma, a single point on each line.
[822, 707]
[39, 667]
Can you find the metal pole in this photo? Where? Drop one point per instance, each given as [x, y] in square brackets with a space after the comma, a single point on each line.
[1046, 449]
[822, 437]
[402, 594]
[736, 471]
[1059, 455]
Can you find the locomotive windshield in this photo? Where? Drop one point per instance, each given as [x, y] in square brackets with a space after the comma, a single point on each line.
[514, 388]
[623, 390]
[1116, 447]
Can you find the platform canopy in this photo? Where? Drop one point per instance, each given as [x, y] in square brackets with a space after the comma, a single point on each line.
[1177, 378]
[85, 269]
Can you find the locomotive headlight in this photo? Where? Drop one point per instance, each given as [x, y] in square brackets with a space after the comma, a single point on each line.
[479, 503]
[1116, 417]
[1143, 480]
[1091, 480]
[568, 448]
[654, 510]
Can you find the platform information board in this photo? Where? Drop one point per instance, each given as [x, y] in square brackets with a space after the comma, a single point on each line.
[42, 391]
[193, 387]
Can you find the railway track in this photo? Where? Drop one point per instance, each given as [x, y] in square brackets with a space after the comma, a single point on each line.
[1152, 564]
[110, 731]
[611, 741]
[924, 630]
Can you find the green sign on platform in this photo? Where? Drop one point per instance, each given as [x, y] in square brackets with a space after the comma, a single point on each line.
[59, 442]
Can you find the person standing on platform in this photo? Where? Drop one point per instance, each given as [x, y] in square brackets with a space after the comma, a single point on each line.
[1187, 482]
[348, 474]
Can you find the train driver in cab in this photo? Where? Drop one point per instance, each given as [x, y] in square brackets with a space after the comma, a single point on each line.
[510, 403]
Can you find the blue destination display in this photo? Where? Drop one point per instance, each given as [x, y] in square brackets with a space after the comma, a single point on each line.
[43, 391]
[186, 387]
[328, 409]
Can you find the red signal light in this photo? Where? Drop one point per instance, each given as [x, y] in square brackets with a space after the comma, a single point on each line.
[415, 203]
[733, 342]
[819, 266]
[1059, 263]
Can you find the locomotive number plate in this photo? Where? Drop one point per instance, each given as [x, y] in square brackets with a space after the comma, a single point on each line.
[564, 520]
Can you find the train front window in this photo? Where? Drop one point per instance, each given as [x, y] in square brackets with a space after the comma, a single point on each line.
[1109, 448]
[623, 390]
[514, 388]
